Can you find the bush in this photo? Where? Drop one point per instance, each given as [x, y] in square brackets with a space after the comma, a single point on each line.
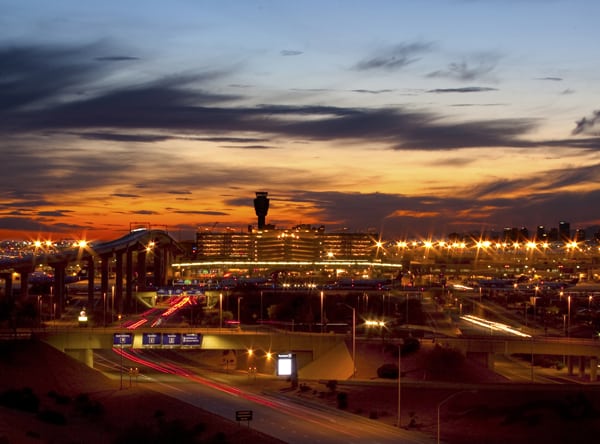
[388, 371]
[332, 385]
[342, 400]
[52, 417]
[410, 345]
[23, 399]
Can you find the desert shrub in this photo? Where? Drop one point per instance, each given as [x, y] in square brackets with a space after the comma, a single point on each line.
[388, 371]
[52, 417]
[410, 345]
[87, 406]
[342, 400]
[20, 399]
[58, 398]
[332, 385]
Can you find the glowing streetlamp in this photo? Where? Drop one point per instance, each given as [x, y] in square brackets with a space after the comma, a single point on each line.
[322, 323]
[220, 310]
[353, 337]
[569, 315]
[238, 308]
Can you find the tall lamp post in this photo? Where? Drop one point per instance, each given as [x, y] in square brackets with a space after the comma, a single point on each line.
[399, 383]
[321, 311]
[353, 337]
[569, 315]
[238, 307]
[220, 311]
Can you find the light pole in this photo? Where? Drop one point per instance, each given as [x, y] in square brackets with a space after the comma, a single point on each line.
[261, 307]
[353, 338]
[442, 402]
[399, 383]
[569, 315]
[238, 307]
[220, 311]
[321, 311]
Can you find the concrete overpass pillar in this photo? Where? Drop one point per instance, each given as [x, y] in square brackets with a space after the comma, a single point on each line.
[491, 361]
[59, 287]
[141, 269]
[104, 273]
[159, 274]
[119, 281]
[85, 355]
[570, 365]
[90, 279]
[24, 282]
[8, 284]
[128, 280]
[593, 368]
[581, 366]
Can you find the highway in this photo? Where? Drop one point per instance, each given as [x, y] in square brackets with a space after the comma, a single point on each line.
[277, 416]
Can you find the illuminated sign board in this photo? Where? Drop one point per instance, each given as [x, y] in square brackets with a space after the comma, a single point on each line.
[150, 339]
[171, 339]
[123, 339]
[285, 364]
[191, 339]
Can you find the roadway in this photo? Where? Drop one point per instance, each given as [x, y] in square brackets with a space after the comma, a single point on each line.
[223, 394]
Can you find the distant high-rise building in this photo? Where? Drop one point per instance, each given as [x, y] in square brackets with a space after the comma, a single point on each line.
[564, 231]
[579, 235]
[540, 234]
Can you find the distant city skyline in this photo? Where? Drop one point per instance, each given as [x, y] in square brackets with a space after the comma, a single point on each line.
[406, 118]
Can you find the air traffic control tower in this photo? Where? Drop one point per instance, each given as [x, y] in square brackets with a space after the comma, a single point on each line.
[261, 206]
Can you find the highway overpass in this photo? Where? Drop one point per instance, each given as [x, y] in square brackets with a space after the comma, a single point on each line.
[130, 254]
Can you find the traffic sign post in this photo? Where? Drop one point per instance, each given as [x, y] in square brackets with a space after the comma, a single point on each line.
[243, 415]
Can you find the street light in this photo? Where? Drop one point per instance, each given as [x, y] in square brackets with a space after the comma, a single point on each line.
[399, 383]
[442, 402]
[569, 315]
[220, 310]
[353, 337]
[238, 307]
[322, 312]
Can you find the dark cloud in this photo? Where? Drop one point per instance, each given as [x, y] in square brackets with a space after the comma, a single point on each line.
[142, 138]
[467, 89]
[249, 147]
[126, 195]
[396, 215]
[552, 79]
[27, 224]
[586, 124]
[179, 192]
[372, 91]
[56, 213]
[465, 71]
[396, 57]
[115, 58]
[200, 212]
[289, 52]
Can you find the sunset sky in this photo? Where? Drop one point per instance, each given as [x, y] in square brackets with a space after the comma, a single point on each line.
[410, 118]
